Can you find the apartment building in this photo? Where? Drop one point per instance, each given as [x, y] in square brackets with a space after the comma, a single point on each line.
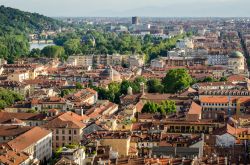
[67, 129]
[36, 142]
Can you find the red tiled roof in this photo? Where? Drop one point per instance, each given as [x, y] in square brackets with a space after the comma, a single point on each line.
[67, 119]
[195, 109]
[224, 99]
[30, 137]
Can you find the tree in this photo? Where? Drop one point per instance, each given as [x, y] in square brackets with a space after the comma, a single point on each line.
[114, 88]
[176, 80]
[53, 51]
[222, 79]
[154, 86]
[35, 52]
[79, 85]
[64, 92]
[169, 106]
[165, 107]
[209, 79]
[8, 98]
[139, 80]
[134, 85]
[150, 107]
[2, 104]
[72, 46]
[124, 86]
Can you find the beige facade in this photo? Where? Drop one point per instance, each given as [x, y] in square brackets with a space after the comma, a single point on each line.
[120, 145]
[83, 60]
[236, 65]
[19, 76]
[66, 136]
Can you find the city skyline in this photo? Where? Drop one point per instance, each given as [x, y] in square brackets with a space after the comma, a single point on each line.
[114, 8]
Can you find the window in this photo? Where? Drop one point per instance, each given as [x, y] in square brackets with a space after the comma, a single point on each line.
[75, 132]
[62, 131]
[57, 131]
[69, 131]
[69, 138]
[57, 138]
[63, 137]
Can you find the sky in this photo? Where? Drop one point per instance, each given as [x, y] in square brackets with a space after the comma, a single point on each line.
[128, 8]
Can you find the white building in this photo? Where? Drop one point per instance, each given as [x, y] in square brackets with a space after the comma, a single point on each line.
[83, 60]
[37, 142]
[77, 155]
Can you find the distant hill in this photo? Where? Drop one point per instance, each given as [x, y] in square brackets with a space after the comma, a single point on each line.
[15, 25]
[17, 21]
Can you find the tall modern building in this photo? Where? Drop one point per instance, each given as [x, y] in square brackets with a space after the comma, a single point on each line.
[135, 20]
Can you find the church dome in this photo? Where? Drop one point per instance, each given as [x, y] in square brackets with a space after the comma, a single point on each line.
[236, 54]
[110, 73]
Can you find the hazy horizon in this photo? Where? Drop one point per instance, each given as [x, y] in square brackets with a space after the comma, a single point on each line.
[128, 8]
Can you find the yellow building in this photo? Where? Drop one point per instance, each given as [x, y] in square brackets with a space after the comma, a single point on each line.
[119, 144]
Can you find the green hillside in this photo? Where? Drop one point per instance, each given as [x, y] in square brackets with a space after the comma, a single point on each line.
[15, 25]
[17, 21]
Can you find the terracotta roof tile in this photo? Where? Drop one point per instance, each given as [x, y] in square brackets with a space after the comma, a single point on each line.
[30, 137]
[195, 109]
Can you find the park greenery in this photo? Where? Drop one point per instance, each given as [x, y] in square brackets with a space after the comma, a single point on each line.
[115, 90]
[8, 97]
[99, 42]
[163, 108]
[16, 25]
[175, 81]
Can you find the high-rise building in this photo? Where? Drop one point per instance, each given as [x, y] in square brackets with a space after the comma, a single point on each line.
[135, 20]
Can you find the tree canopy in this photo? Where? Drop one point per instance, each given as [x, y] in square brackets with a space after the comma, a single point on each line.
[154, 86]
[15, 25]
[165, 107]
[176, 80]
[8, 98]
[53, 51]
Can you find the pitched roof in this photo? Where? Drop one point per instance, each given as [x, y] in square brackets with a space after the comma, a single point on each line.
[13, 130]
[155, 97]
[195, 109]
[30, 137]
[67, 119]
[12, 157]
[7, 116]
[224, 99]
[233, 78]
[235, 131]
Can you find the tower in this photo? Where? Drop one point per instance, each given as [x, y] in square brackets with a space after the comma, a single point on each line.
[135, 20]
[142, 85]
[130, 91]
